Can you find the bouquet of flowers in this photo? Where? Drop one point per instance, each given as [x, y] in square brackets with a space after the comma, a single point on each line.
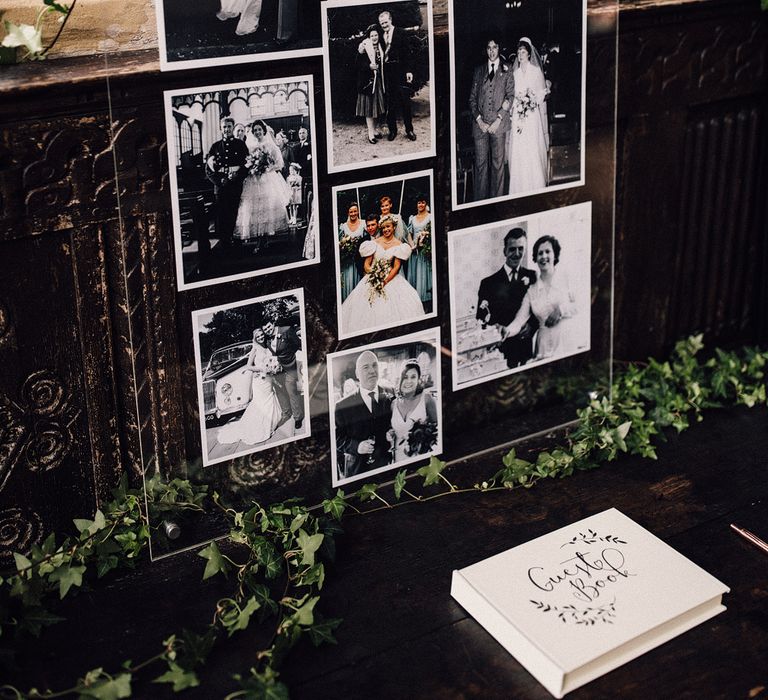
[258, 162]
[424, 241]
[379, 271]
[525, 103]
[349, 248]
[422, 438]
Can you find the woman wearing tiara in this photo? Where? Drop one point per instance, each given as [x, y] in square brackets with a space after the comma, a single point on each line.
[249, 12]
[383, 298]
[412, 408]
[529, 135]
[266, 194]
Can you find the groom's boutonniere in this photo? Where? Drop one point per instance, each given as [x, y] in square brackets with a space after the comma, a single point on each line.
[526, 281]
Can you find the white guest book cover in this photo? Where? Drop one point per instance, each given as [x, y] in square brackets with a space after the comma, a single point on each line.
[578, 602]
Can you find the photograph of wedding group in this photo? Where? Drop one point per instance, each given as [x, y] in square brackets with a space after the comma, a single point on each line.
[243, 179]
[222, 32]
[385, 253]
[250, 358]
[379, 76]
[517, 98]
[520, 293]
[386, 405]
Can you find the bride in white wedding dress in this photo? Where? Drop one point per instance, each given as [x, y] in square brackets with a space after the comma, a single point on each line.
[260, 418]
[529, 135]
[249, 12]
[394, 301]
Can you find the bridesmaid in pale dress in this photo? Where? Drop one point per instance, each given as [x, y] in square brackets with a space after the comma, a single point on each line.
[420, 265]
[353, 228]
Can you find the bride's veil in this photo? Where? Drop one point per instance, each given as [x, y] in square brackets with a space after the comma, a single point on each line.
[535, 60]
[269, 141]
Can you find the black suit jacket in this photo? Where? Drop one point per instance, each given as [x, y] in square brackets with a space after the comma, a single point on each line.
[398, 58]
[504, 297]
[354, 424]
[300, 155]
[285, 345]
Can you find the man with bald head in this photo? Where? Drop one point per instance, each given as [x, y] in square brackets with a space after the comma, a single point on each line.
[362, 421]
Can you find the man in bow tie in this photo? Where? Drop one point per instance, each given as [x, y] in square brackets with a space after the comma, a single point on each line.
[225, 168]
[492, 93]
[501, 295]
[362, 421]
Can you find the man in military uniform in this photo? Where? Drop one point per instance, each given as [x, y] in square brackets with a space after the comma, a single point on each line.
[225, 168]
[493, 90]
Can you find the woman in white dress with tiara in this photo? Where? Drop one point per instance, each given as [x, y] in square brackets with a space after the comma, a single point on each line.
[529, 135]
[383, 297]
[263, 203]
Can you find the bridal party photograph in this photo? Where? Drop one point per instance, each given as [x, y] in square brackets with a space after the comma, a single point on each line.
[517, 98]
[243, 178]
[250, 360]
[386, 405]
[385, 253]
[520, 293]
[379, 67]
[222, 32]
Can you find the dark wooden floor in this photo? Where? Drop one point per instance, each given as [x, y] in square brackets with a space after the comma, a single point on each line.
[404, 637]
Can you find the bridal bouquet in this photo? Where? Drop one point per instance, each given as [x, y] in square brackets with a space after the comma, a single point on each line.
[258, 163]
[272, 366]
[422, 437]
[349, 248]
[424, 241]
[525, 103]
[379, 271]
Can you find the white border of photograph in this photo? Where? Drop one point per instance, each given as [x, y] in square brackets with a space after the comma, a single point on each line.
[181, 284]
[430, 336]
[307, 427]
[454, 156]
[429, 153]
[166, 65]
[367, 183]
[500, 228]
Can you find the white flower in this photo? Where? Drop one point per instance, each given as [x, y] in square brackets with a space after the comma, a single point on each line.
[23, 35]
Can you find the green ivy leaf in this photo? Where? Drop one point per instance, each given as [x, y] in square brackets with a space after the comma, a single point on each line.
[243, 618]
[308, 544]
[322, 631]
[21, 562]
[67, 576]
[180, 678]
[216, 562]
[37, 617]
[272, 562]
[107, 688]
[304, 614]
[367, 492]
[431, 472]
[335, 506]
[399, 483]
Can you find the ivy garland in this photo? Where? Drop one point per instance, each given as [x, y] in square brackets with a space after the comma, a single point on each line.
[276, 555]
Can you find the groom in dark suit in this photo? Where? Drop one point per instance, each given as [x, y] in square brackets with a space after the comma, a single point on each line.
[493, 89]
[363, 420]
[285, 343]
[500, 296]
[398, 76]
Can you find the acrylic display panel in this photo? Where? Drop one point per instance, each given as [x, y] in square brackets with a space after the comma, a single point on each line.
[261, 318]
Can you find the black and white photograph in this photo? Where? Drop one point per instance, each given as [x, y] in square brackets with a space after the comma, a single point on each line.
[243, 179]
[517, 98]
[386, 405]
[379, 82]
[385, 254]
[222, 32]
[251, 375]
[520, 293]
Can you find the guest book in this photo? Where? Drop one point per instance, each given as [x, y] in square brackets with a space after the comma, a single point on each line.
[580, 601]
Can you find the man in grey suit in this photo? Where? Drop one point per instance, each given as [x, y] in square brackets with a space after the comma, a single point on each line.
[493, 89]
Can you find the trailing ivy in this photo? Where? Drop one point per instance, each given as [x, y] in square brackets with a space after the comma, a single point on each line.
[275, 556]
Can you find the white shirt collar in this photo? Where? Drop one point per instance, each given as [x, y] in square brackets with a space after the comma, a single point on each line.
[509, 270]
[495, 64]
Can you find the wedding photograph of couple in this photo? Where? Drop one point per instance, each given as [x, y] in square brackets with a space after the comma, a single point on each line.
[517, 95]
[386, 405]
[222, 32]
[520, 293]
[250, 360]
[385, 253]
[379, 82]
[243, 178]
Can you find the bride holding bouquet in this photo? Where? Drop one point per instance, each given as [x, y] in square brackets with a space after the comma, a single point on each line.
[383, 297]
